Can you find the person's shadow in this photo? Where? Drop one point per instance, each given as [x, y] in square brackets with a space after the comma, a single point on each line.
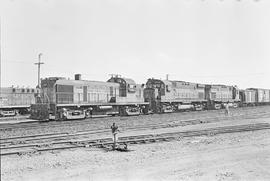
[121, 148]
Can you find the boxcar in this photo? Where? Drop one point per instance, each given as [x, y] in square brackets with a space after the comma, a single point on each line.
[259, 96]
[248, 97]
[263, 96]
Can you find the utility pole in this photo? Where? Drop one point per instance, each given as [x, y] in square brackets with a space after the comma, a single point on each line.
[39, 63]
[0, 60]
[38, 98]
[0, 76]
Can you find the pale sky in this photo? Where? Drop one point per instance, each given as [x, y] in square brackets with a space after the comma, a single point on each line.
[203, 41]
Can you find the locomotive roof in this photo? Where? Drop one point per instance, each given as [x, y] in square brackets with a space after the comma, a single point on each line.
[183, 82]
[221, 85]
[83, 82]
[170, 82]
[257, 89]
[129, 81]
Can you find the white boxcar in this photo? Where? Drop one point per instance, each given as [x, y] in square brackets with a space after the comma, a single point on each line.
[250, 96]
[263, 96]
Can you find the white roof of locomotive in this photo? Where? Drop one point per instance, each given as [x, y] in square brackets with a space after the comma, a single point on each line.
[129, 81]
[85, 82]
[169, 82]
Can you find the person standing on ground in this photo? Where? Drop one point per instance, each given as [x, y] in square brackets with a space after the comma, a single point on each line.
[227, 109]
[115, 130]
[91, 112]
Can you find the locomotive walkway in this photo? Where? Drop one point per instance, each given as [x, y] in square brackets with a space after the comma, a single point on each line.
[26, 119]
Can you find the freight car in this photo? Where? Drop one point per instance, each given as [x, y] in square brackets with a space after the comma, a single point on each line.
[263, 96]
[77, 99]
[15, 100]
[255, 96]
[248, 97]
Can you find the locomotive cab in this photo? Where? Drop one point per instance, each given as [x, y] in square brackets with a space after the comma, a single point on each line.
[152, 93]
[131, 96]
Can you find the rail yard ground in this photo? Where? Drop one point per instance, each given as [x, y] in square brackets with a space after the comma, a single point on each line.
[241, 155]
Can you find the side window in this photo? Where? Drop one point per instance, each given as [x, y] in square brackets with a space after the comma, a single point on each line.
[111, 91]
[167, 88]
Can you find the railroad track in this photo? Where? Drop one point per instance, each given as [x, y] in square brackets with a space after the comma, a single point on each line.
[30, 139]
[65, 135]
[137, 139]
[59, 123]
[32, 125]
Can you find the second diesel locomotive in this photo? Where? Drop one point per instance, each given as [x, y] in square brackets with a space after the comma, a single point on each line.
[169, 96]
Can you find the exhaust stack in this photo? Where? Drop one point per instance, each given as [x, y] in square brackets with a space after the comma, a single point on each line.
[78, 76]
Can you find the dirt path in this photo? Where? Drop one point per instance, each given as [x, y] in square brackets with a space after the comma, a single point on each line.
[241, 156]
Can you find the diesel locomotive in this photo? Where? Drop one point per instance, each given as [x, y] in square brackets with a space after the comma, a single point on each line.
[63, 99]
[169, 96]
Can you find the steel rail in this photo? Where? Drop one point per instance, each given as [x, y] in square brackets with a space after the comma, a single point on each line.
[138, 139]
[39, 137]
[30, 125]
[202, 119]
